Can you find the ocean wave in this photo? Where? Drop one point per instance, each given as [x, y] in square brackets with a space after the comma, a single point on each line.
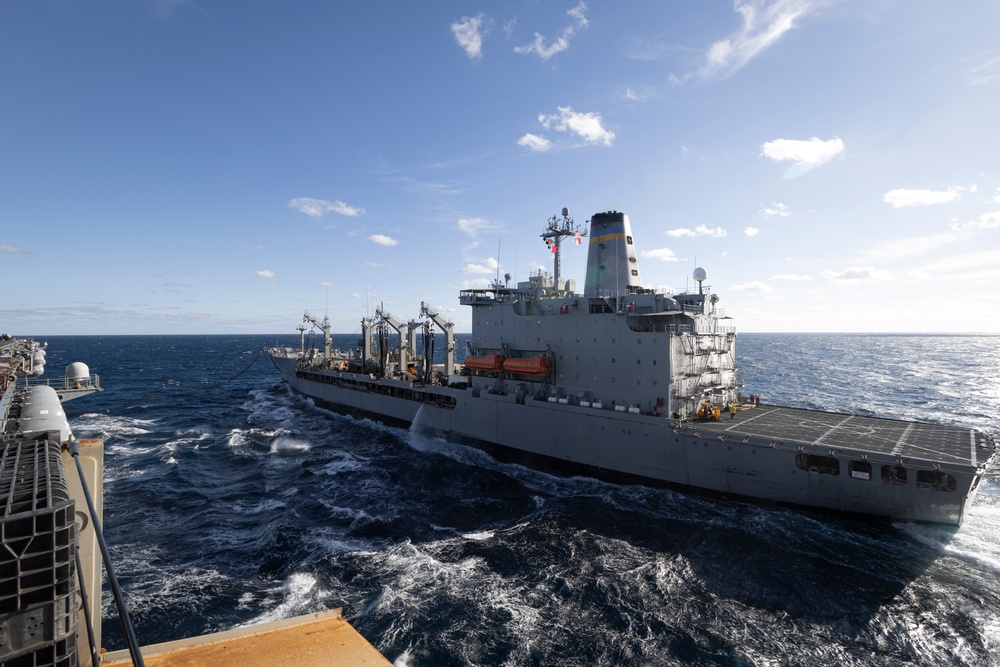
[298, 594]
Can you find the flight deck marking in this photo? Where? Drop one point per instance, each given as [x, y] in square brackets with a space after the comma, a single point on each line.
[972, 447]
[744, 421]
[902, 439]
[833, 428]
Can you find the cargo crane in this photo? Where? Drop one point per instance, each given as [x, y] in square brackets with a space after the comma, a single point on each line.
[401, 329]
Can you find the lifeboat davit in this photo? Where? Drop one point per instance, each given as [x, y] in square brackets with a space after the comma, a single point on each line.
[532, 366]
[489, 362]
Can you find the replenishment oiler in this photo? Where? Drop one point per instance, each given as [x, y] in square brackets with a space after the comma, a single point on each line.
[636, 385]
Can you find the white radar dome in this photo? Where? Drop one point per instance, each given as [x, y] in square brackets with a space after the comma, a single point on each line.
[77, 371]
[700, 274]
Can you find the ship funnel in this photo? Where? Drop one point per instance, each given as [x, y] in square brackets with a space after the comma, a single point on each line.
[612, 268]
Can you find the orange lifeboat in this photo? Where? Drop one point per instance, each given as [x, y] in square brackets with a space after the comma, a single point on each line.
[532, 366]
[490, 362]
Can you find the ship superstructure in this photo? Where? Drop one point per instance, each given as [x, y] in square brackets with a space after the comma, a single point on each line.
[634, 384]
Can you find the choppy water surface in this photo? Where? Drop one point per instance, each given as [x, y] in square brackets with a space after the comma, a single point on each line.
[247, 503]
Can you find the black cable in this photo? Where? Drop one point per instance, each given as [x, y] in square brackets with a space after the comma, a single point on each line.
[95, 661]
[133, 645]
[166, 384]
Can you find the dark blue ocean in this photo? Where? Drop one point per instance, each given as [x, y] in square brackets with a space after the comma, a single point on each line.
[246, 503]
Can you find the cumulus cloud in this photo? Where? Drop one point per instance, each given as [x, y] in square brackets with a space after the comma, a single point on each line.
[578, 21]
[755, 287]
[326, 283]
[905, 197]
[700, 230]
[469, 33]
[317, 208]
[382, 239]
[587, 126]
[266, 274]
[488, 266]
[856, 274]
[764, 23]
[792, 277]
[985, 221]
[535, 142]
[997, 198]
[662, 254]
[804, 154]
[12, 250]
[751, 231]
[776, 209]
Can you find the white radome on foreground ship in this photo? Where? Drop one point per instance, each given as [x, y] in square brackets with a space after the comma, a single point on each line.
[633, 384]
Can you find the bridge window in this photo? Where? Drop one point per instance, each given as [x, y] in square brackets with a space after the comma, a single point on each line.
[893, 474]
[936, 480]
[825, 465]
[860, 469]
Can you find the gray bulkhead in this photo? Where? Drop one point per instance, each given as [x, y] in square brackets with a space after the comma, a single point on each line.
[620, 344]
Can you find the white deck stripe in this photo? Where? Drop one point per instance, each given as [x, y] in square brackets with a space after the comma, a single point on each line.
[832, 429]
[902, 439]
[744, 421]
[972, 447]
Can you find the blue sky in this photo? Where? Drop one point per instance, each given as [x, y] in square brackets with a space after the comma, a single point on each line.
[198, 166]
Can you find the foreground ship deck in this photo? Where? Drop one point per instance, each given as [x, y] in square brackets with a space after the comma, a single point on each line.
[635, 384]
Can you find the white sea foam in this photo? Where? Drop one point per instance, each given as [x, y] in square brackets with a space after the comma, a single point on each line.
[345, 462]
[480, 536]
[245, 507]
[296, 595]
[285, 444]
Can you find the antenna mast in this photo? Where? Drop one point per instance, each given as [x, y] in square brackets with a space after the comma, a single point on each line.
[556, 230]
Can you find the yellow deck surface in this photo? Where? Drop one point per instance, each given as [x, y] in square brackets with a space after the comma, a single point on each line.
[324, 639]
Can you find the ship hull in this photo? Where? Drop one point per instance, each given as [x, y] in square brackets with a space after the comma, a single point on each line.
[711, 457]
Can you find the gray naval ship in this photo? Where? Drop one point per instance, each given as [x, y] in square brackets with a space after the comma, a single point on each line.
[632, 384]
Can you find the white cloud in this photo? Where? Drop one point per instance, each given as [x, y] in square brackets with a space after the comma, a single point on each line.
[751, 231]
[587, 126]
[326, 283]
[473, 226]
[985, 221]
[997, 198]
[983, 72]
[381, 239]
[662, 254]
[469, 33]
[266, 274]
[805, 154]
[374, 265]
[700, 230]
[777, 209]
[855, 274]
[895, 249]
[535, 142]
[12, 250]
[561, 43]
[792, 277]
[317, 208]
[755, 287]
[488, 266]
[904, 197]
[764, 23]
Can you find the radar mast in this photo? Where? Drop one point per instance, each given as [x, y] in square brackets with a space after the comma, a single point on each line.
[556, 230]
